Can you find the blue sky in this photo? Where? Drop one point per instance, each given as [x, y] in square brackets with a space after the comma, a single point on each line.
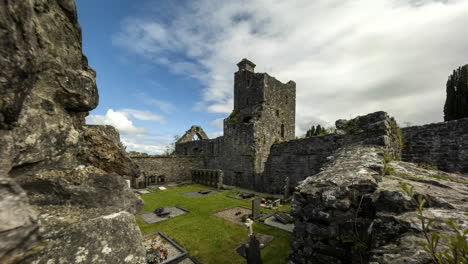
[163, 66]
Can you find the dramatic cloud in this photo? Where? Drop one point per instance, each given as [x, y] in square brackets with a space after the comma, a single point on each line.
[117, 119]
[347, 57]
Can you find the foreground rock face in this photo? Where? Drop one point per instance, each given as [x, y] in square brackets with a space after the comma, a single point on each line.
[70, 171]
[351, 213]
[104, 150]
[106, 239]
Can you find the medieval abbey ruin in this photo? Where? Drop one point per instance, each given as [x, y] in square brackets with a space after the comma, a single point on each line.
[64, 195]
[259, 150]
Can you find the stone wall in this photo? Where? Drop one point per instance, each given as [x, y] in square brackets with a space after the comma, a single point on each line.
[212, 178]
[351, 213]
[169, 168]
[298, 159]
[264, 113]
[444, 145]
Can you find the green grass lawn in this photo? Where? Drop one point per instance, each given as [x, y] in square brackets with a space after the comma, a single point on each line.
[212, 240]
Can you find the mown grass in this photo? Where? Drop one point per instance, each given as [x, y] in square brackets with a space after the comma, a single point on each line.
[208, 238]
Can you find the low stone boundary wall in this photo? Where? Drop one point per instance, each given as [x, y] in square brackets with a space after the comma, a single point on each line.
[443, 144]
[163, 169]
[212, 178]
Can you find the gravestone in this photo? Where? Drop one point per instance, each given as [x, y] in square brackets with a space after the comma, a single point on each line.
[160, 212]
[283, 217]
[286, 189]
[247, 195]
[256, 213]
[204, 191]
[252, 250]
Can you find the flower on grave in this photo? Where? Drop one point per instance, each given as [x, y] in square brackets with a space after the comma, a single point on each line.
[156, 254]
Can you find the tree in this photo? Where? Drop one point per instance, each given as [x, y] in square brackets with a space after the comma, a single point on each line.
[456, 103]
[170, 149]
[316, 131]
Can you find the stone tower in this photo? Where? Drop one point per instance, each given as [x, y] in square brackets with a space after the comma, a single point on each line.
[264, 113]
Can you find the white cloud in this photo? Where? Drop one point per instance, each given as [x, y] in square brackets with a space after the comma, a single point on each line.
[145, 145]
[117, 119]
[215, 134]
[142, 115]
[348, 58]
[218, 123]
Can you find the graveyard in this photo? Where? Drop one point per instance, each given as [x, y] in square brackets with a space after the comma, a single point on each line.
[202, 230]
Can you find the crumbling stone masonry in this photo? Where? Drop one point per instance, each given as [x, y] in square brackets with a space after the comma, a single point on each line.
[444, 145]
[350, 212]
[298, 159]
[212, 178]
[163, 169]
[264, 113]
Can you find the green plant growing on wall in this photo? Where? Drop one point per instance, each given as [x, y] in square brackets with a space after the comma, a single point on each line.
[232, 117]
[456, 251]
[388, 170]
[396, 130]
[428, 166]
[351, 127]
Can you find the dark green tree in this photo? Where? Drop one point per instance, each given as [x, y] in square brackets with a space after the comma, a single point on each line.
[316, 131]
[456, 103]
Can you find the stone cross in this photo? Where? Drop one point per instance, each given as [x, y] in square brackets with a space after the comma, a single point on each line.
[286, 188]
[248, 223]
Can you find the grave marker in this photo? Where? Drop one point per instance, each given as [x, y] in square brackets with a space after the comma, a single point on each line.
[256, 212]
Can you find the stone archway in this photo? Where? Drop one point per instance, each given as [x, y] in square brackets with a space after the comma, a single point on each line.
[193, 134]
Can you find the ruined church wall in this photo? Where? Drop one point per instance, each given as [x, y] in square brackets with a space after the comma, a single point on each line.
[298, 159]
[444, 145]
[204, 147]
[174, 168]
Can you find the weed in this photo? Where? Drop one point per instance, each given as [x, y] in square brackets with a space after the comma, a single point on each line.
[457, 251]
[428, 166]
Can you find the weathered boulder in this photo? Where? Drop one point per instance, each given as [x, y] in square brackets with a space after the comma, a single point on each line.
[351, 213]
[88, 187]
[19, 227]
[103, 149]
[110, 238]
[46, 84]
[47, 88]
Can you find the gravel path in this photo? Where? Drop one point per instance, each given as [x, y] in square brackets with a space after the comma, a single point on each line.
[229, 214]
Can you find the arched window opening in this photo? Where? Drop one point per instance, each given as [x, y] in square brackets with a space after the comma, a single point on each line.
[196, 137]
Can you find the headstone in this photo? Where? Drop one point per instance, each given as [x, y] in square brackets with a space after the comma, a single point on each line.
[204, 191]
[160, 212]
[247, 195]
[286, 188]
[252, 250]
[256, 205]
[283, 217]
